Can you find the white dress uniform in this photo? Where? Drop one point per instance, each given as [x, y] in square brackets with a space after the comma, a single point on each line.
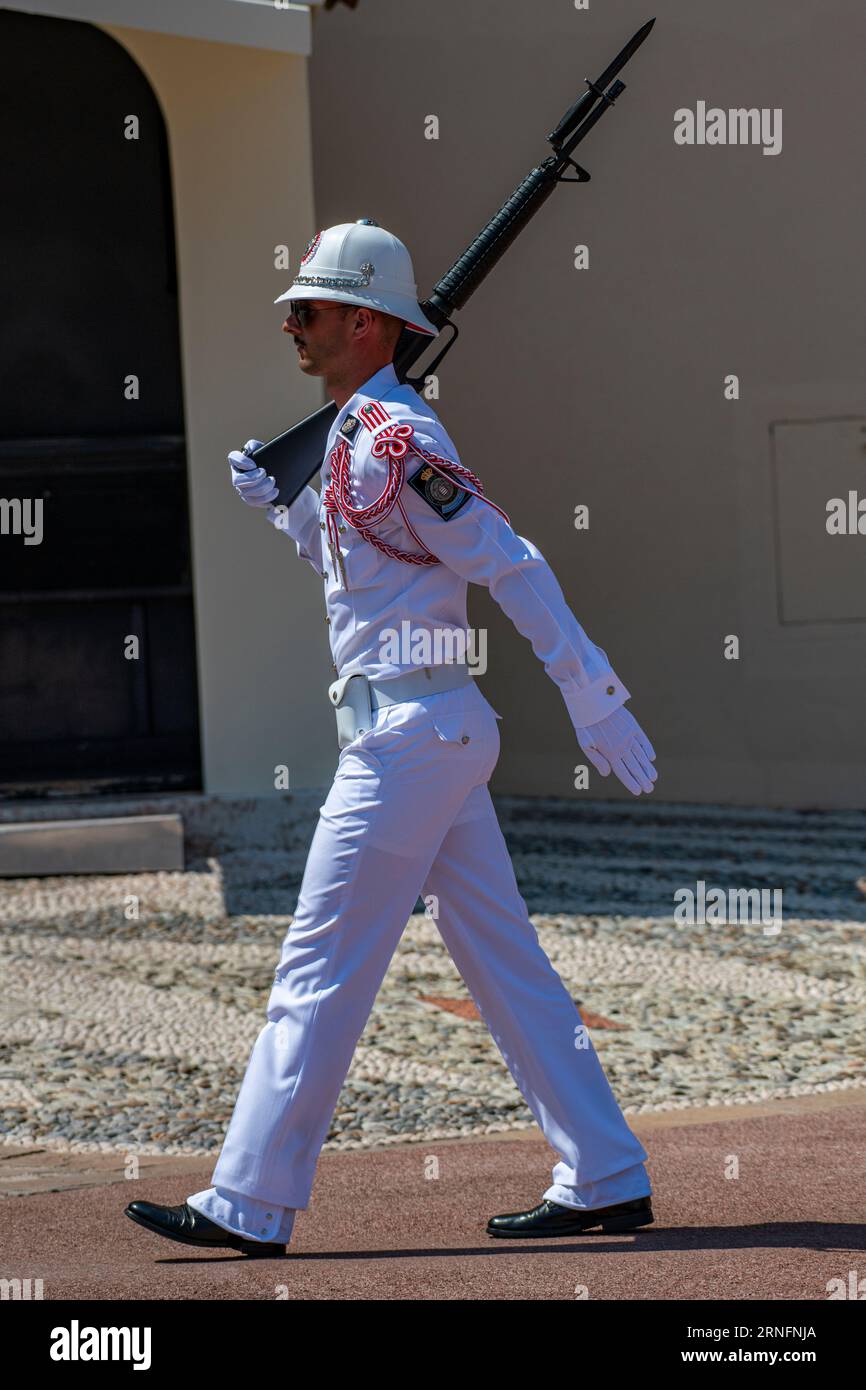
[410, 813]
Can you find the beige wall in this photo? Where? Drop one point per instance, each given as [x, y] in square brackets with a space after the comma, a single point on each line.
[601, 387]
[606, 386]
[239, 142]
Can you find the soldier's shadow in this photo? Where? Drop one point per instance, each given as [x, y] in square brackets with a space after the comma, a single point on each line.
[825, 1236]
[260, 882]
[766, 1235]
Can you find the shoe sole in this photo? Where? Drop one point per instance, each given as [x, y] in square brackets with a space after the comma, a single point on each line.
[606, 1225]
[246, 1247]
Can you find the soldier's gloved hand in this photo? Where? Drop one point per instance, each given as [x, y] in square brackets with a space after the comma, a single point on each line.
[619, 742]
[253, 484]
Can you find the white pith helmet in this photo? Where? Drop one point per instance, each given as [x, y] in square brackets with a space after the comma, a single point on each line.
[361, 263]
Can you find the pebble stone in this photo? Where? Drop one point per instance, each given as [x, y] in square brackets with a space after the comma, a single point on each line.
[130, 1004]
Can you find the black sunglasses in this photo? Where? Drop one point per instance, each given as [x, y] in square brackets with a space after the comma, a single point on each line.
[304, 310]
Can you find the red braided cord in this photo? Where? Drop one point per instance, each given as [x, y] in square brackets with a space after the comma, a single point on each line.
[393, 442]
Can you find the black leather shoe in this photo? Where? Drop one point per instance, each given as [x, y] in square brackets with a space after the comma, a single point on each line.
[188, 1226]
[551, 1219]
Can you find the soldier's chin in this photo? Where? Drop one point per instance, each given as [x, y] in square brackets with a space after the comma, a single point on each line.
[306, 364]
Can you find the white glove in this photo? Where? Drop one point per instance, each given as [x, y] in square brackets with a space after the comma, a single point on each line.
[619, 742]
[251, 483]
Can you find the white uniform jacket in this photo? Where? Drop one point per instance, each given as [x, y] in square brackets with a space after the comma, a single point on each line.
[369, 593]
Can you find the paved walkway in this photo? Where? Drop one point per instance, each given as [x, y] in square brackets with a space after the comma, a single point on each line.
[378, 1227]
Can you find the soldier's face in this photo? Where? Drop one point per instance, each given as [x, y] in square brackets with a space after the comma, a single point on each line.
[321, 333]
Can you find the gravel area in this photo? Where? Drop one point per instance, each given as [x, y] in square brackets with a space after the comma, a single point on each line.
[131, 1032]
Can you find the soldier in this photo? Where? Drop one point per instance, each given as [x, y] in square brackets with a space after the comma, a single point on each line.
[398, 532]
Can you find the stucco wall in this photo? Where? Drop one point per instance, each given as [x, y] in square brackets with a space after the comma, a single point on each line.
[605, 386]
[239, 141]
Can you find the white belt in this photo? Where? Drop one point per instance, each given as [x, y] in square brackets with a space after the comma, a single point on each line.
[355, 697]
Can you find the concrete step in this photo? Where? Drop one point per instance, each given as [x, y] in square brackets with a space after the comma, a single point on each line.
[103, 845]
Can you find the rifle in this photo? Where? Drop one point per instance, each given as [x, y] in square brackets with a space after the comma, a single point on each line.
[294, 457]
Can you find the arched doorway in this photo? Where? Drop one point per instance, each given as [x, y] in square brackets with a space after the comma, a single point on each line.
[89, 307]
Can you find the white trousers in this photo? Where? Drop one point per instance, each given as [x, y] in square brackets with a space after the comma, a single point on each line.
[409, 812]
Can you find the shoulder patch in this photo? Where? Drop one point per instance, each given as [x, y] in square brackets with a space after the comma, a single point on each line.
[443, 495]
[374, 416]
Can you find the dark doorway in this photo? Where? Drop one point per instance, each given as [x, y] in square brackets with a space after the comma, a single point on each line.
[88, 300]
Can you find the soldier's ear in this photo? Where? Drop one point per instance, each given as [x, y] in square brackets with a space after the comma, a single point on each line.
[366, 320]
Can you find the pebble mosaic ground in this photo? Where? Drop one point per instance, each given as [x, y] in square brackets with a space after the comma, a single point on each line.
[131, 1033]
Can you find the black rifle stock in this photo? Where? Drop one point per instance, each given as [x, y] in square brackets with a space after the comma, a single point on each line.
[294, 457]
